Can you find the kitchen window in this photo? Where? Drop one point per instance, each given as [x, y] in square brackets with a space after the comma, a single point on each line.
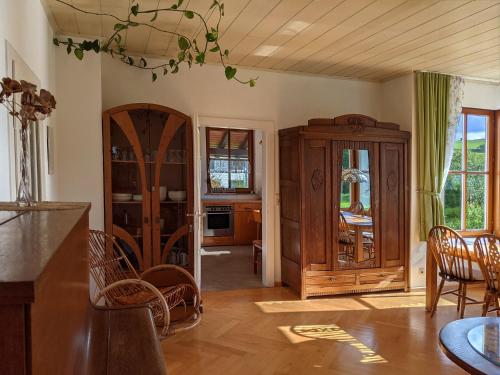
[229, 160]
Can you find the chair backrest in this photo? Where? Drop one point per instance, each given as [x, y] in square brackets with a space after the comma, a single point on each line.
[357, 208]
[108, 263]
[451, 252]
[487, 249]
[344, 232]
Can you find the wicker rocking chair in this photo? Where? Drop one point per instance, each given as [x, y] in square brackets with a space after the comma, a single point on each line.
[161, 288]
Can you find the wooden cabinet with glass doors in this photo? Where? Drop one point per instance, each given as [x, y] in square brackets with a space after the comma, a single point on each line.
[148, 183]
[344, 201]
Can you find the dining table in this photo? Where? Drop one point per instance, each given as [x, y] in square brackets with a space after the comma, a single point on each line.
[359, 224]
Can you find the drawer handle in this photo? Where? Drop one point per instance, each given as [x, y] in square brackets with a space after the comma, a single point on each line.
[332, 278]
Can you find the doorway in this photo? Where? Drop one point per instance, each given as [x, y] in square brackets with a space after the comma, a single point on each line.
[235, 201]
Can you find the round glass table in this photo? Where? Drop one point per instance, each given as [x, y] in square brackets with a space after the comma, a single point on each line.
[473, 344]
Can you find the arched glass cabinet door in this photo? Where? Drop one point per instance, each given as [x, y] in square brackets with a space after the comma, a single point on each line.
[172, 187]
[126, 138]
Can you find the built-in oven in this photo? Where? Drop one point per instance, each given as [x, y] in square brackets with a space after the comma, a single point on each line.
[218, 221]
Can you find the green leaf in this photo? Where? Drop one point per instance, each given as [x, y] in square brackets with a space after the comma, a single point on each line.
[130, 60]
[211, 37]
[68, 49]
[222, 9]
[144, 63]
[175, 70]
[174, 7]
[79, 53]
[183, 43]
[226, 53]
[133, 24]
[154, 76]
[188, 14]
[154, 17]
[252, 82]
[96, 46]
[181, 55]
[215, 49]
[214, 4]
[179, 2]
[120, 26]
[135, 9]
[70, 41]
[230, 72]
[55, 41]
[171, 63]
[165, 71]
[200, 58]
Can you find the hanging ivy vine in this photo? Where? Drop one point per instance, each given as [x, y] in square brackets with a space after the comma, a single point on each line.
[190, 50]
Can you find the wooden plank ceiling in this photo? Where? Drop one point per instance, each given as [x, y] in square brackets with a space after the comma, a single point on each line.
[364, 39]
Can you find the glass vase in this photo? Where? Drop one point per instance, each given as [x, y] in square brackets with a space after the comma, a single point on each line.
[24, 192]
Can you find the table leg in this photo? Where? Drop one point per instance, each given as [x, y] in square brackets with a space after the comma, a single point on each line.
[358, 242]
[430, 280]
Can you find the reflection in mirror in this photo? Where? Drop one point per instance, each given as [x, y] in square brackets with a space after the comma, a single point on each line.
[356, 245]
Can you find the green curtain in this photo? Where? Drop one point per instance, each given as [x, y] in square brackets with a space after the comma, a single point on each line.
[432, 121]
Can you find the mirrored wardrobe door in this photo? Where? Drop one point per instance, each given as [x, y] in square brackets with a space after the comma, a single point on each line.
[356, 245]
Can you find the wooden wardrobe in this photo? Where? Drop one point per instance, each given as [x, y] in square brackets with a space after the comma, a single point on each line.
[148, 154]
[327, 246]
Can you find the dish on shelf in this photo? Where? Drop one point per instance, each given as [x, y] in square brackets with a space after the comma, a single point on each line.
[121, 197]
[177, 195]
[137, 197]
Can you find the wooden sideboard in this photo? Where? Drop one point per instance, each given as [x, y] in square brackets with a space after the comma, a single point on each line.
[245, 228]
[48, 325]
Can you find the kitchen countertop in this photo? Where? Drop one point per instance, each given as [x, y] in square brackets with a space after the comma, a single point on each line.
[231, 198]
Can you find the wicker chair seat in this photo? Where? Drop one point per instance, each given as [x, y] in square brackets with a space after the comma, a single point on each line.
[174, 295]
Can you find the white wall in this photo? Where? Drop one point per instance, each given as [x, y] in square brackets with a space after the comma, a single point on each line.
[286, 99]
[24, 25]
[482, 95]
[78, 154]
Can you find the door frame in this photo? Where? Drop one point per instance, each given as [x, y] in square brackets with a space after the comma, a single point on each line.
[269, 200]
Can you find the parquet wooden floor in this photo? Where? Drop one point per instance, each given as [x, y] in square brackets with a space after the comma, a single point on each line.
[270, 331]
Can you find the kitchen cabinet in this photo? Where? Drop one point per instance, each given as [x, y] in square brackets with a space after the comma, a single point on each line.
[245, 229]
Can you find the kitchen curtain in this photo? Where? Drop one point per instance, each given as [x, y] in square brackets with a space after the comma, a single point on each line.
[439, 104]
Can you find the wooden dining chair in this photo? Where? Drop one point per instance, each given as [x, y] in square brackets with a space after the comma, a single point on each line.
[487, 250]
[455, 265]
[161, 288]
[257, 243]
[346, 238]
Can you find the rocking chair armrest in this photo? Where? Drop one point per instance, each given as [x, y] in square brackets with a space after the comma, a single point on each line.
[145, 284]
[181, 270]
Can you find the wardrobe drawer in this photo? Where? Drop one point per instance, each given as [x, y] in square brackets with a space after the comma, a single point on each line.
[330, 280]
[381, 277]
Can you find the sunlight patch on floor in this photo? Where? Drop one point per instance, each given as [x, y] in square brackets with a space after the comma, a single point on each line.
[203, 252]
[337, 304]
[303, 333]
[399, 301]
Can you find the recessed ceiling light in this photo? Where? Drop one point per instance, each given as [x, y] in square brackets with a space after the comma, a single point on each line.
[266, 50]
[294, 27]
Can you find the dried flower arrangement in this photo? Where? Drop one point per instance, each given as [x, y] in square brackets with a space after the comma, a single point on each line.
[33, 106]
[190, 50]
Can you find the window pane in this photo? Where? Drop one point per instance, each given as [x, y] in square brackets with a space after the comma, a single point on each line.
[240, 172]
[457, 158]
[476, 202]
[346, 159]
[345, 195]
[218, 153]
[364, 187]
[218, 173]
[453, 201]
[476, 143]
